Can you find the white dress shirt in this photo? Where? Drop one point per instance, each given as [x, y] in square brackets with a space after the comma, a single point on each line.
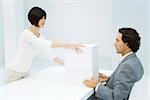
[29, 46]
[126, 55]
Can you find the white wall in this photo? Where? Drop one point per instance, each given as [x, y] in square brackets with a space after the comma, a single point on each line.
[88, 21]
[148, 37]
[133, 13]
[95, 21]
[13, 24]
[1, 38]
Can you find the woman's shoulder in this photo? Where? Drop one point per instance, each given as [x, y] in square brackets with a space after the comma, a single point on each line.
[26, 31]
[25, 34]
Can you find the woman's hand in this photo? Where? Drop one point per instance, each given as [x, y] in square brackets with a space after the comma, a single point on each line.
[75, 46]
[71, 45]
[58, 61]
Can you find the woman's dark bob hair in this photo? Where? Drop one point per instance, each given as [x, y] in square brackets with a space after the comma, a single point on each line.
[35, 14]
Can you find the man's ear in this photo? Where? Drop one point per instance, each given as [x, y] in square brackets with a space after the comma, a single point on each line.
[127, 46]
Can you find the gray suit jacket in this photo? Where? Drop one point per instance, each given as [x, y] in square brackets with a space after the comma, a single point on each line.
[120, 83]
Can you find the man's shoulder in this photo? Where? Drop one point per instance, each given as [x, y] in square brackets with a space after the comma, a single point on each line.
[135, 65]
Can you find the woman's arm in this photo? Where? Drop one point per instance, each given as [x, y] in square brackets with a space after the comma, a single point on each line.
[71, 45]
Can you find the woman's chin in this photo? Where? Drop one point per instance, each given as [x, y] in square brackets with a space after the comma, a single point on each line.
[42, 26]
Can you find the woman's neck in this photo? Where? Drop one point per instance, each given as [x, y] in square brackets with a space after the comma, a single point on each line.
[35, 30]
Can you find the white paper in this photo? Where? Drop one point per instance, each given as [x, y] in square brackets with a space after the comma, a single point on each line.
[79, 67]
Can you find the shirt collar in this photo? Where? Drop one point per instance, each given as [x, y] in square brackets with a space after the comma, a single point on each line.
[127, 55]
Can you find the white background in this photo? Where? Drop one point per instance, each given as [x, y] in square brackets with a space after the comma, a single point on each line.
[86, 21]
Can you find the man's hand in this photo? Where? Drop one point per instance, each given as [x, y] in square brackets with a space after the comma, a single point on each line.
[103, 77]
[91, 83]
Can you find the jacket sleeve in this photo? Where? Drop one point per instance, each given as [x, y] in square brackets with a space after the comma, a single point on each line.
[124, 79]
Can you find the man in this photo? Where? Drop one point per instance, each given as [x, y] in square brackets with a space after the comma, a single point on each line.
[118, 86]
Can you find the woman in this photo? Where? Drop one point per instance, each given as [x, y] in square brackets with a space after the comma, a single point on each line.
[31, 42]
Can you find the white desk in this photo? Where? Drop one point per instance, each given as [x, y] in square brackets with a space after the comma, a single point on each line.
[48, 84]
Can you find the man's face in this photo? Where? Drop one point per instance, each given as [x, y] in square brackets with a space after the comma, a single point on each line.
[119, 44]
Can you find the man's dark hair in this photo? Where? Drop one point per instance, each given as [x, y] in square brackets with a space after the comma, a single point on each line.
[35, 14]
[131, 37]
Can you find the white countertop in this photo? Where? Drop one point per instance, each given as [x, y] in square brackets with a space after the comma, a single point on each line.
[48, 84]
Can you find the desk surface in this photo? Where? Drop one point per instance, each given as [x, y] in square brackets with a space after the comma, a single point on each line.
[48, 84]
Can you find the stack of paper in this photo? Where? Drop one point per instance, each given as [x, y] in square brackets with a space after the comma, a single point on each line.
[79, 67]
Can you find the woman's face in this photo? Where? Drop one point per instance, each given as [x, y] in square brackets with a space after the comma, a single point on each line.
[41, 22]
